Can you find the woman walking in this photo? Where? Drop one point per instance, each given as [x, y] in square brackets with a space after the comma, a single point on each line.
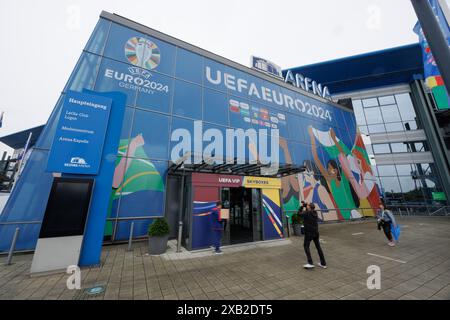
[386, 221]
[311, 225]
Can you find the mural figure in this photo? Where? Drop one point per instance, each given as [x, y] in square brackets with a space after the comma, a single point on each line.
[337, 182]
[137, 184]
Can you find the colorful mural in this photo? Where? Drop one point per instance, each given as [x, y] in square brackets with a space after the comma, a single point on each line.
[137, 185]
[342, 188]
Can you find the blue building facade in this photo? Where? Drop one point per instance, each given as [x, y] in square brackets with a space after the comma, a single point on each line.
[169, 85]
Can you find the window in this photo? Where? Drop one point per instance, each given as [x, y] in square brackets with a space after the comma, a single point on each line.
[189, 66]
[155, 55]
[387, 170]
[85, 73]
[404, 169]
[410, 125]
[96, 43]
[157, 95]
[151, 132]
[187, 101]
[386, 100]
[390, 184]
[399, 147]
[111, 78]
[394, 127]
[377, 128]
[215, 107]
[405, 106]
[390, 113]
[381, 148]
[371, 102]
[359, 113]
[373, 115]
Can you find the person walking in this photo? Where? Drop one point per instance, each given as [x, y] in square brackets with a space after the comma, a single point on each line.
[311, 225]
[217, 227]
[386, 220]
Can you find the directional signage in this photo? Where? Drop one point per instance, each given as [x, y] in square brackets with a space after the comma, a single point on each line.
[78, 142]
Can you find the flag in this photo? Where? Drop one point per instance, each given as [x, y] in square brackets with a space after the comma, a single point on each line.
[324, 138]
[433, 78]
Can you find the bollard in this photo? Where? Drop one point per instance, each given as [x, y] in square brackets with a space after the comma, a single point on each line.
[288, 227]
[180, 232]
[130, 240]
[13, 246]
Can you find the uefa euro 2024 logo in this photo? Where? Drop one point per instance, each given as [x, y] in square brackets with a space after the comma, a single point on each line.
[142, 53]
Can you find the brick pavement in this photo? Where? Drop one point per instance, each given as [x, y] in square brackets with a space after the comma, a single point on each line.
[270, 270]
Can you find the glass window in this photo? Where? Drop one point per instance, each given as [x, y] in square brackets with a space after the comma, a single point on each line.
[149, 136]
[47, 135]
[156, 92]
[96, 43]
[405, 106]
[371, 102]
[85, 73]
[390, 113]
[140, 50]
[387, 170]
[143, 189]
[399, 147]
[126, 130]
[359, 113]
[394, 127]
[187, 100]
[410, 125]
[215, 107]
[240, 113]
[390, 184]
[373, 115]
[377, 128]
[364, 130]
[411, 188]
[386, 100]
[189, 66]
[419, 147]
[404, 169]
[114, 76]
[381, 148]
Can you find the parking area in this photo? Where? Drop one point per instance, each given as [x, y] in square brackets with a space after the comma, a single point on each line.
[417, 268]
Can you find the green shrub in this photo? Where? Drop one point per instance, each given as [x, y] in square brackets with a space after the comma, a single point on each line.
[296, 219]
[158, 228]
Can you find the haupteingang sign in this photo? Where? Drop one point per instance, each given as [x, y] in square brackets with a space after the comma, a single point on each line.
[78, 142]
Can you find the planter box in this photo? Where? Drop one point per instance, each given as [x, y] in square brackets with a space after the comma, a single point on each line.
[298, 229]
[157, 245]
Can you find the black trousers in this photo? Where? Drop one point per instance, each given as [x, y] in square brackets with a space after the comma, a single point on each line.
[387, 230]
[307, 243]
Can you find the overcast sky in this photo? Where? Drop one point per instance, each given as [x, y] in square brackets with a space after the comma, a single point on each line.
[42, 40]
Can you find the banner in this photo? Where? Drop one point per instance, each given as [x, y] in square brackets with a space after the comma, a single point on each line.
[432, 75]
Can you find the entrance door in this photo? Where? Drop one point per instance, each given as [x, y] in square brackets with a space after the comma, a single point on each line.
[245, 220]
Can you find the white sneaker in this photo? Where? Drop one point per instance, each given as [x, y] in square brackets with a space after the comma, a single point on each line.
[322, 266]
[391, 244]
[308, 266]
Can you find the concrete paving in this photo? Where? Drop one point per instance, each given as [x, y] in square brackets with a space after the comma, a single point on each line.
[417, 268]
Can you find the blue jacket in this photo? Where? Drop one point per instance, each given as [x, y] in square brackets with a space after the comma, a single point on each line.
[216, 223]
[386, 216]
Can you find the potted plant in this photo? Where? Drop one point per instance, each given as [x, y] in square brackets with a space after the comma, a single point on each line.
[158, 235]
[297, 224]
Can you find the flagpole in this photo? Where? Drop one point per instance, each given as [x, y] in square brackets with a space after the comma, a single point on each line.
[435, 38]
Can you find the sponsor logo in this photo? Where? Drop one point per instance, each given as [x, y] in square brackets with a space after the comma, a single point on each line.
[77, 162]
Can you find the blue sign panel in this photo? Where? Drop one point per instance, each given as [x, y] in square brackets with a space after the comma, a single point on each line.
[78, 142]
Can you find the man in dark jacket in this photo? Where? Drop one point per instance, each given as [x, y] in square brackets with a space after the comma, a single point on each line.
[311, 225]
[217, 227]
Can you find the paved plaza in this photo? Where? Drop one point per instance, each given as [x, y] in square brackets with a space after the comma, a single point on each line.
[417, 268]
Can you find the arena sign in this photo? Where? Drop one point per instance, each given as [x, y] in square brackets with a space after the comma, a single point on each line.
[307, 84]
